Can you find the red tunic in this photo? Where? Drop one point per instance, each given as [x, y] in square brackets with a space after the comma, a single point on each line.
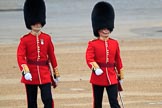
[36, 48]
[108, 51]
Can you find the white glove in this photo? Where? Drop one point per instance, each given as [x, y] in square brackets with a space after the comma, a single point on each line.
[98, 71]
[121, 81]
[57, 80]
[28, 76]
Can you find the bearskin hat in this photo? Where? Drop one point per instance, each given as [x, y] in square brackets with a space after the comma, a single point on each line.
[34, 12]
[102, 17]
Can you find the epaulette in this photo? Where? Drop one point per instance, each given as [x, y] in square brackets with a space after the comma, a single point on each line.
[24, 35]
[111, 39]
[94, 39]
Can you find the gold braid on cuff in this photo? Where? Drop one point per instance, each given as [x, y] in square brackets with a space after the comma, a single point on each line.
[121, 75]
[94, 65]
[56, 72]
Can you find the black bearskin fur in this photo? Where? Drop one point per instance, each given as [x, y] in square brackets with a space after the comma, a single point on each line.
[102, 17]
[34, 12]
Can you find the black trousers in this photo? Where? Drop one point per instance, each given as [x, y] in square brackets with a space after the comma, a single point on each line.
[46, 95]
[112, 92]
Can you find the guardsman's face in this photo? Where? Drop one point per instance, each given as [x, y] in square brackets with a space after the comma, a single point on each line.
[104, 32]
[36, 27]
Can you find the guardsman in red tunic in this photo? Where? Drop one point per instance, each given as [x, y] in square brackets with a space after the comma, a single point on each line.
[103, 56]
[34, 53]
